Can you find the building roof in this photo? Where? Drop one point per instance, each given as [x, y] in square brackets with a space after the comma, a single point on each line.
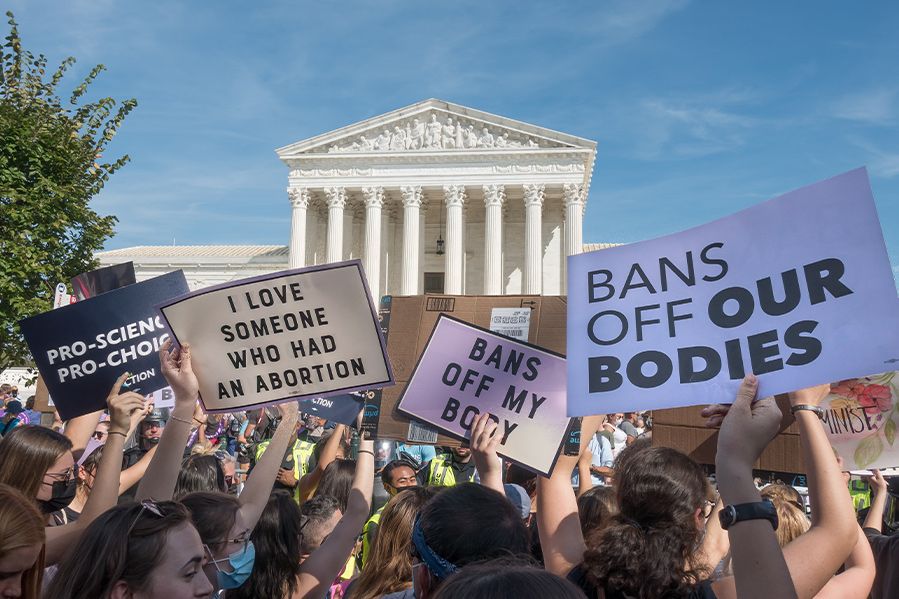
[591, 247]
[180, 251]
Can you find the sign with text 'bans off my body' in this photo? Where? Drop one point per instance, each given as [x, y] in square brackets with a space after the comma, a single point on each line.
[798, 290]
[81, 349]
[465, 370]
[310, 332]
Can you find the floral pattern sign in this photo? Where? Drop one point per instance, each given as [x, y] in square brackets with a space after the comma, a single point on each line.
[860, 419]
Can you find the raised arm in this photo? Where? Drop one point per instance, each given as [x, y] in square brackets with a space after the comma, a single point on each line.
[557, 517]
[162, 474]
[584, 478]
[874, 519]
[309, 481]
[79, 429]
[133, 475]
[760, 570]
[326, 562]
[857, 577]
[105, 491]
[484, 442]
[258, 488]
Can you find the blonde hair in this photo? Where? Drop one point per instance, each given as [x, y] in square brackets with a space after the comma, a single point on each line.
[21, 525]
[791, 517]
[390, 567]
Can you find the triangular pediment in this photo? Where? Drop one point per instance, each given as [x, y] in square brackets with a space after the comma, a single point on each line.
[435, 126]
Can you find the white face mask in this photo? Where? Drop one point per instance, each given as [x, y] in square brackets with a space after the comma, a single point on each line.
[617, 421]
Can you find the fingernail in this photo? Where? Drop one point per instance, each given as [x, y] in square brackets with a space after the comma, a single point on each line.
[751, 378]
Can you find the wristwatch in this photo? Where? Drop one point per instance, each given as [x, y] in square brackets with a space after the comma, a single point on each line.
[816, 409]
[731, 514]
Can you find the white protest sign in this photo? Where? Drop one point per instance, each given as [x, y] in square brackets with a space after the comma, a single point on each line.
[511, 322]
[465, 370]
[798, 290]
[310, 332]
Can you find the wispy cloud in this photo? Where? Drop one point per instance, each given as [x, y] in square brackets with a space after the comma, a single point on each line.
[875, 106]
[881, 162]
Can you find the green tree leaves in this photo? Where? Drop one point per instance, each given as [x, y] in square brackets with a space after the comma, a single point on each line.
[50, 168]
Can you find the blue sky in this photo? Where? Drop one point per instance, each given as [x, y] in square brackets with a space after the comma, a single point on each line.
[699, 108]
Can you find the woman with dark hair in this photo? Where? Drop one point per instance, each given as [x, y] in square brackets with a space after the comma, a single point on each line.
[21, 545]
[200, 473]
[595, 509]
[135, 550]
[507, 579]
[652, 548]
[389, 568]
[51, 475]
[337, 480]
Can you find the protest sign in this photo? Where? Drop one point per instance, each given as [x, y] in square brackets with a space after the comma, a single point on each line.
[81, 349]
[798, 290]
[860, 419]
[296, 334]
[163, 398]
[101, 280]
[342, 408]
[465, 370]
[511, 322]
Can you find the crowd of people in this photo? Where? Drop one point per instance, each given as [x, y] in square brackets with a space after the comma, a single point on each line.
[136, 502]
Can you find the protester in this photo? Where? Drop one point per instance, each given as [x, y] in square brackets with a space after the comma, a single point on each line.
[200, 473]
[21, 545]
[885, 548]
[389, 567]
[395, 476]
[51, 476]
[147, 549]
[337, 481]
[331, 446]
[595, 509]
[507, 579]
[12, 418]
[628, 425]
[595, 467]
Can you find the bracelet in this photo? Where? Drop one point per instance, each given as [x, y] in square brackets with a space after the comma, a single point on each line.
[816, 409]
[124, 435]
[187, 422]
[371, 453]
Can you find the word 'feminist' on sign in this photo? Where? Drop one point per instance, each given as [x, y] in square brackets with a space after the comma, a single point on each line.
[295, 334]
[465, 370]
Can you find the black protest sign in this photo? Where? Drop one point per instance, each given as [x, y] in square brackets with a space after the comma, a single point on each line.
[343, 409]
[95, 282]
[81, 349]
[296, 334]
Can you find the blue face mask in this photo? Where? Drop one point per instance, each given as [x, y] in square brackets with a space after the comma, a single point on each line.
[242, 564]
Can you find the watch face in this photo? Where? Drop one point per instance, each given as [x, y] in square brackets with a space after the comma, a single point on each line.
[727, 516]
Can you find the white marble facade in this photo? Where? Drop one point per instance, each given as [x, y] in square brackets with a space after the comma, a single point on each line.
[507, 199]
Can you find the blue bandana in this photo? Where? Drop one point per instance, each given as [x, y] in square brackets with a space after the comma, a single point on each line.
[438, 566]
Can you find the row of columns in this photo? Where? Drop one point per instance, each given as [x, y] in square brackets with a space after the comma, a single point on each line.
[413, 217]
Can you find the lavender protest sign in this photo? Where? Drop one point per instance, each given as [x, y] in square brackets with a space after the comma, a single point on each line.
[465, 370]
[297, 334]
[798, 290]
[860, 419]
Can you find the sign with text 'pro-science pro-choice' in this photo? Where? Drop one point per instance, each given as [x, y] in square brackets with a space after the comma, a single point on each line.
[81, 349]
[797, 290]
[465, 370]
[310, 332]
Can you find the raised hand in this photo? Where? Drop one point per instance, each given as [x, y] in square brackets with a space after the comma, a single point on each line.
[810, 396]
[121, 407]
[177, 370]
[748, 427]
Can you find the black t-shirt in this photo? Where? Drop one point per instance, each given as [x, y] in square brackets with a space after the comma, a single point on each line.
[886, 559]
[579, 577]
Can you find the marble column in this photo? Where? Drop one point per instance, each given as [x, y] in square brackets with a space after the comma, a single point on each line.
[371, 255]
[299, 201]
[575, 203]
[454, 196]
[336, 200]
[533, 239]
[411, 233]
[494, 196]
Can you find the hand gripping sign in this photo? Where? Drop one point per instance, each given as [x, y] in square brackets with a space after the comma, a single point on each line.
[465, 370]
[296, 334]
[798, 290]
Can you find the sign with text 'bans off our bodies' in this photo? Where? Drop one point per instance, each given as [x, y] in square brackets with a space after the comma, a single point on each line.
[797, 290]
[311, 332]
[81, 349]
[465, 370]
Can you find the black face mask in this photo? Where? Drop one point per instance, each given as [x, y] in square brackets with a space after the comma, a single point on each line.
[61, 496]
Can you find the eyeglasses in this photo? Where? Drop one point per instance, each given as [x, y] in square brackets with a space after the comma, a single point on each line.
[65, 476]
[147, 505]
[242, 539]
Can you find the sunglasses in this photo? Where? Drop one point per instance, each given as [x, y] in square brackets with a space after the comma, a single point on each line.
[146, 506]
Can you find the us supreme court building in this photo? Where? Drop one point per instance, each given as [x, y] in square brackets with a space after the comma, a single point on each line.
[433, 198]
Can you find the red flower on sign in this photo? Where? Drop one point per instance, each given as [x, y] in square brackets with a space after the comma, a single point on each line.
[849, 389]
[875, 399]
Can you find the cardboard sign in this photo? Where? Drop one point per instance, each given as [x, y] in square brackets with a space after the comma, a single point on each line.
[860, 420]
[295, 334]
[95, 282]
[465, 370]
[339, 408]
[81, 349]
[798, 290]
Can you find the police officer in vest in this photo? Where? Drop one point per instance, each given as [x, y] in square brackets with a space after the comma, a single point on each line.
[296, 462]
[449, 468]
[147, 437]
[395, 476]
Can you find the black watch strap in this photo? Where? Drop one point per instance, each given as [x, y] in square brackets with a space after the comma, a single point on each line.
[759, 510]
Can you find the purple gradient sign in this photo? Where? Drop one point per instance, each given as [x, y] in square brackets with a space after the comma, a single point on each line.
[465, 370]
[798, 290]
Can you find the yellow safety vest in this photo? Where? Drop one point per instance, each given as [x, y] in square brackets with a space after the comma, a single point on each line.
[302, 456]
[860, 493]
[366, 543]
[440, 473]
